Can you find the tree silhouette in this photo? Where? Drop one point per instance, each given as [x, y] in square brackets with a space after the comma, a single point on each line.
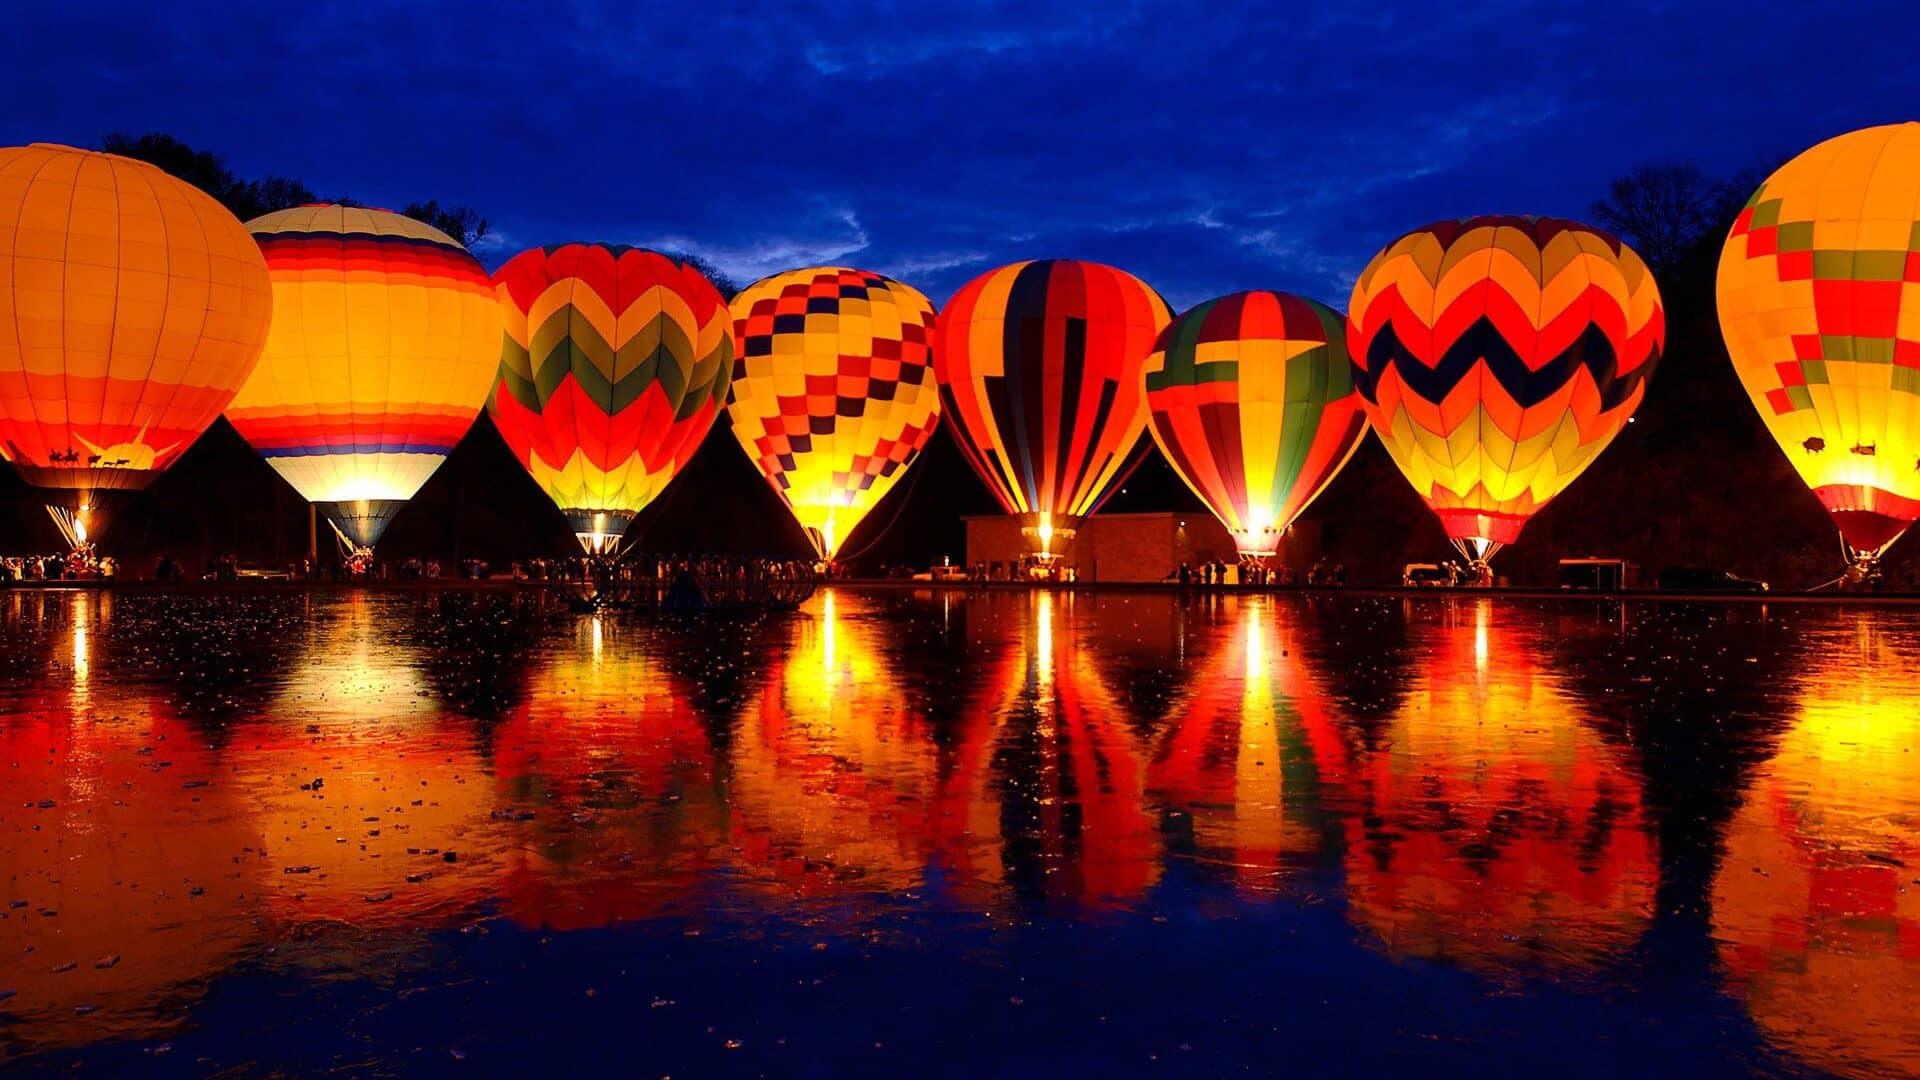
[1661, 210]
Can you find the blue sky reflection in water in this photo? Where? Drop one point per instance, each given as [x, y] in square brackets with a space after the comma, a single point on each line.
[932, 833]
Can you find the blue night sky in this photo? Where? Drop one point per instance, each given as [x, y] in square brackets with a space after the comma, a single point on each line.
[1204, 149]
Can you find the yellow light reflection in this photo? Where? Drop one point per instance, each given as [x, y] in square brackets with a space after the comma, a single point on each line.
[1814, 907]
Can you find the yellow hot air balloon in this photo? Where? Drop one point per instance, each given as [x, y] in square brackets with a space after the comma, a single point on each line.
[833, 390]
[1819, 294]
[131, 307]
[384, 343]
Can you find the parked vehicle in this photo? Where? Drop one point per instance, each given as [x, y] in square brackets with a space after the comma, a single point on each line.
[1428, 576]
[1707, 579]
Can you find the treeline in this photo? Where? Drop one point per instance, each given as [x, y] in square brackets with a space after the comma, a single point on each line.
[248, 199]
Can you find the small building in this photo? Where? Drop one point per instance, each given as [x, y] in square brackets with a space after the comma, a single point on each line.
[1126, 547]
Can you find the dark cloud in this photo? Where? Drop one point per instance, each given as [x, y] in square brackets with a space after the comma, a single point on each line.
[1204, 148]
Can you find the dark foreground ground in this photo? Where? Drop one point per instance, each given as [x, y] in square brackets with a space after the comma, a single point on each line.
[1005, 832]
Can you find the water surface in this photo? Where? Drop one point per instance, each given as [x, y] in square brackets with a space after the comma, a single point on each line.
[1011, 833]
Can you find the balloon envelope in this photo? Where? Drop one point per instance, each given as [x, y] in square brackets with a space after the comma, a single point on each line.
[385, 341]
[1039, 366]
[1497, 357]
[1251, 398]
[833, 393]
[613, 366]
[131, 308]
[1819, 297]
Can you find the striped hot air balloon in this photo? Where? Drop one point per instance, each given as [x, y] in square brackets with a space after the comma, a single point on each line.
[131, 307]
[1819, 296]
[385, 340]
[1039, 366]
[614, 363]
[1251, 397]
[833, 393]
[1497, 357]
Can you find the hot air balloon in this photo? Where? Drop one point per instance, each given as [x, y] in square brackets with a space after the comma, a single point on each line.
[385, 340]
[1819, 295]
[614, 364]
[1497, 357]
[1039, 366]
[1251, 397]
[131, 307]
[833, 393]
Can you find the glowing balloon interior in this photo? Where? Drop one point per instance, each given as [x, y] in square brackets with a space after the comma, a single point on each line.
[1039, 366]
[1819, 298]
[1252, 400]
[385, 341]
[1498, 356]
[614, 363]
[131, 307]
[833, 393]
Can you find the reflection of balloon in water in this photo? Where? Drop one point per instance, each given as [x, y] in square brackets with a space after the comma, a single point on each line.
[612, 783]
[131, 307]
[385, 340]
[833, 772]
[1494, 826]
[614, 364]
[833, 392]
[1498, 356]
[1039, 365]
[1242, 754]
[1814, 911]
[1251, 398]
[1819, 296]
[137, 874]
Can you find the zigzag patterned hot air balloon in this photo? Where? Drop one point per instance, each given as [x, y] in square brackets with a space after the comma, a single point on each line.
[1251, 397]
[614, 365]
[385, 340]
[833, 392]
[1039, 366]
[131, 307]
[1498, 356]
[1819, 294]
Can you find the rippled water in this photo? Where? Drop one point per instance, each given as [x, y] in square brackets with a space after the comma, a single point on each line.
[1012, 833]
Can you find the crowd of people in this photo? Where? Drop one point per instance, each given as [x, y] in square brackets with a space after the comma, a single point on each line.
[80, 564]
[667, 568]
[1258, 572]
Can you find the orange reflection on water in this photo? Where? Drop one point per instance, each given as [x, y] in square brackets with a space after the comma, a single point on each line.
[1494, 827]
[122, 852]
[357, 785]
[1067, 772]
[1816, 906]
[1240, 756]
[608, 784]
[833, 774]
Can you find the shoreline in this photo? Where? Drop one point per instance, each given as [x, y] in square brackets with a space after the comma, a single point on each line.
[1644, 596]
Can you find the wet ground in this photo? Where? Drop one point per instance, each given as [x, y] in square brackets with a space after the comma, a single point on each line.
[922, 833]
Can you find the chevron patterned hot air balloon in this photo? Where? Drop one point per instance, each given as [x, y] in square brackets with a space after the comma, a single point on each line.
[833, 392]
[1498, 356]
[1819, 295]
[385, 341]
[132, 306]
[1039, 366]
[614, 364]
[1251, 398]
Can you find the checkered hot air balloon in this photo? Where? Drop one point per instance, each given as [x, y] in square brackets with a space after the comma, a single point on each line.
[614, 363]
[1497, 357]
[385, 341]
[833, 393]
[1039, 366]
[131, 307]
[1251, 398]
[1819, 296]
